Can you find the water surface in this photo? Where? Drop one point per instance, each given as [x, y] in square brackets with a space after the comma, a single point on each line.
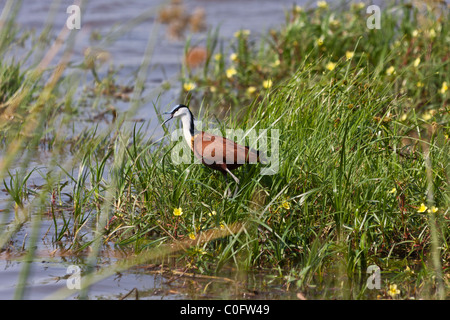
[126, 46]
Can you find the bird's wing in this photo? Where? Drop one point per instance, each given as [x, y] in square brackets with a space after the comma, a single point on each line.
[221, 150]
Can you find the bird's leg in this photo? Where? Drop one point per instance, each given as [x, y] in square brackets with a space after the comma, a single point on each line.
[236, 190]
[226, 183]
[233, 176]
[235, 179]
[229, 195]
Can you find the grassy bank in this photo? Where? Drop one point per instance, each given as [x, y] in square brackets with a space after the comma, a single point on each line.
[363, 179]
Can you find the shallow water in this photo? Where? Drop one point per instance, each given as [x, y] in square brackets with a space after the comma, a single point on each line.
[49, 271]
[127, 50]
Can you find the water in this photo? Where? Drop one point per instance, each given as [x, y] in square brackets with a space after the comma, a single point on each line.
[49, 269]
[127, 50]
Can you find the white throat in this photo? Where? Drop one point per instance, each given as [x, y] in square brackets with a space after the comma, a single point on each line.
[186, 121]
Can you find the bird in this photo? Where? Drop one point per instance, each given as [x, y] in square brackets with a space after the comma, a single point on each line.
[215, 152]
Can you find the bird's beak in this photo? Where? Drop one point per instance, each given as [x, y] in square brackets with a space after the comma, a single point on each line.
[171, 116]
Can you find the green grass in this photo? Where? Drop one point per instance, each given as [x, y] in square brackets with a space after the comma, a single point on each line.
[363, 146]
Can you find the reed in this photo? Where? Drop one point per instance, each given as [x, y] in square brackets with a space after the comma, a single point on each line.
[363, 156]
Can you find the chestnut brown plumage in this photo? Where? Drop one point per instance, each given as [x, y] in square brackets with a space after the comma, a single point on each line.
[215, 152]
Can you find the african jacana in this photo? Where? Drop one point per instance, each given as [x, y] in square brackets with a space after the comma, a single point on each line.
[215, 152]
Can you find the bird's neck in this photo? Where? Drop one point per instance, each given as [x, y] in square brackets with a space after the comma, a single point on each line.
[188, 128]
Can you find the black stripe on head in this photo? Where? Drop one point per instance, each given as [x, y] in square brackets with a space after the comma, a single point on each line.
[191, 127]
[175, 109]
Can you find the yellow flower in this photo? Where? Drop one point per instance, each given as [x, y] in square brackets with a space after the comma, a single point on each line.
[217, 56]
[322, 4]
[192, 236]
[427, 116]
[330, 66]
[177, 212]
[394, 190]
[393, 291]
[251, 89]
[422, 208]
[320, 41]
[198, 250]
[241, 33]
[404, 117]
[416, 62]
[286, 205]
[222, 225]
[358, 6]
[212, 213]
[298, 9]
[432, 33]
[349, 54]
[415, 33]
[267, 84]
[233, 56]
[433, 209]
[230, 72]
[276, 63]
[419, 84]
[444, 87]
[334, 23]
[390, 71]
[188, 86]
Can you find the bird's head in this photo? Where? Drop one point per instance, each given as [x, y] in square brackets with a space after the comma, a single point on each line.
[178, 111]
